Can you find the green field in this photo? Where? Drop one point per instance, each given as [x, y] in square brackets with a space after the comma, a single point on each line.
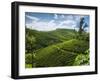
[60, 47]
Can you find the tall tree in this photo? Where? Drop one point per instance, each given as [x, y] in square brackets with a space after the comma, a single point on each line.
[83, 25]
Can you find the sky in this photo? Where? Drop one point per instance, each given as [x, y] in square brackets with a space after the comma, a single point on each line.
[53, 21]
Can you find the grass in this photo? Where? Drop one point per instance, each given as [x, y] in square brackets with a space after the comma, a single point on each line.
[56, 48]
[28, 65]
[62, 54]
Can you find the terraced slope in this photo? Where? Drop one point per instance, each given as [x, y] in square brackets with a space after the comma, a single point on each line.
[44, 39]
[60, 47]
[62, 54]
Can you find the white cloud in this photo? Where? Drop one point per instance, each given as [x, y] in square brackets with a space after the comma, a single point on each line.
[62, 16]
[77, 18]
[51, 22]
[41, 25]
[68, 23]
[55, 16]
[32, 18]
[81, 16]
[87, 29]
[69, 17]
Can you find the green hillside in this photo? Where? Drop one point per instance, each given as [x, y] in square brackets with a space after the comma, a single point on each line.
[42, 39]
[62, 54]
[61, 47]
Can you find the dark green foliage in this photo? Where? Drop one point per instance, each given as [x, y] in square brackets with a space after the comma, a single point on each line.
[61, 47]
[28, 59]
[30, 41]
[82, 36]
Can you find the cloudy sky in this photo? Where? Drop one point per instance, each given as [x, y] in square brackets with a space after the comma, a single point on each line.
[52, 21]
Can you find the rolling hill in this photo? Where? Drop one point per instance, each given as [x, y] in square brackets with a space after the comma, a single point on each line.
[62, 54]
[44, 39]
[54, 48]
